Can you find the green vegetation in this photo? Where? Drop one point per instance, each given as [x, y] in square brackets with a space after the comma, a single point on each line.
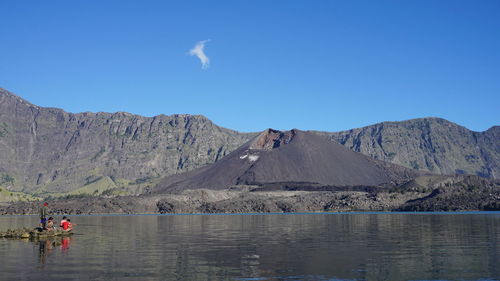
[143, 180]
[94, 186]
[98, 185]
[92, 179]
[67, 196]
[13, 196]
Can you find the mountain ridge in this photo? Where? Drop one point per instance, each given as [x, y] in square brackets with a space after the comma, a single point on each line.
[41, 146]
[428, 144]
[47, 150]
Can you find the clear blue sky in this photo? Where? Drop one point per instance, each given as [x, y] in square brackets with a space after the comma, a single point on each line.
[320, 65]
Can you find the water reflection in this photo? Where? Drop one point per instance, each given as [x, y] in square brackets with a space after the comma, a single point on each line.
[47, 245]
[389, 247]
[267, 247]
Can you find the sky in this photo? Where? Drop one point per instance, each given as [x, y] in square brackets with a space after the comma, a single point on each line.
[250, 65]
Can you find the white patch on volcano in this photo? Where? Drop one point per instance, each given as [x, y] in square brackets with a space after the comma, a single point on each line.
[253, 158]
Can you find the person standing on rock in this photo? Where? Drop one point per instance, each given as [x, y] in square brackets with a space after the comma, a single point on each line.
[44, 211]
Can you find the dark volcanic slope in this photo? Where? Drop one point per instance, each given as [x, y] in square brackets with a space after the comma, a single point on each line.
[293, 156]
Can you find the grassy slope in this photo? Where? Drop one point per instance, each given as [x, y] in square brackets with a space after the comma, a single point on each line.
[106, 186]
[12, 196]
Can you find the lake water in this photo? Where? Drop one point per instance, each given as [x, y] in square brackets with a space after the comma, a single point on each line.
[349, 246]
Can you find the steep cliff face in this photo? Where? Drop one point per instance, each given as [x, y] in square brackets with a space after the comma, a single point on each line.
[48, 149]
[428, 144]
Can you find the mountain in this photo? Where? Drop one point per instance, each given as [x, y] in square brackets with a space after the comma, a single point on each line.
[428, 144]
[290, 157]
[50, 150]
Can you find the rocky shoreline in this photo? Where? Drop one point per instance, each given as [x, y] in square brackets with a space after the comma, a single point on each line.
[36, 233]
[464, 195]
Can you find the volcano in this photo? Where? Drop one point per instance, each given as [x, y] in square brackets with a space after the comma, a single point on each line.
[293, 156]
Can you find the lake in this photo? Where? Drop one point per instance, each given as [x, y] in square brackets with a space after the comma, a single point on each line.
[340, 246]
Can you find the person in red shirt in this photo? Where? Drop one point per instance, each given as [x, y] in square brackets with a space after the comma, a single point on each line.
[70, 225]
[66, 225]
[62, 221]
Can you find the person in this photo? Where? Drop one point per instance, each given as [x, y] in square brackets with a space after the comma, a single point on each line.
[67, 225]
[50, 224]
[70, 225]
[62, 221]
[44, 210]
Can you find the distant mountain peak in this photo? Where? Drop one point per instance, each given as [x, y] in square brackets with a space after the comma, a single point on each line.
[13, 97]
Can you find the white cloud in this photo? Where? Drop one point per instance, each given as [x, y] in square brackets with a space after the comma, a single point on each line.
[198, 51]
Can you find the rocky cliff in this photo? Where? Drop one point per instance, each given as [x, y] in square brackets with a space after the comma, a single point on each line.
[428, 144]
[46, 150]
[50, 150]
